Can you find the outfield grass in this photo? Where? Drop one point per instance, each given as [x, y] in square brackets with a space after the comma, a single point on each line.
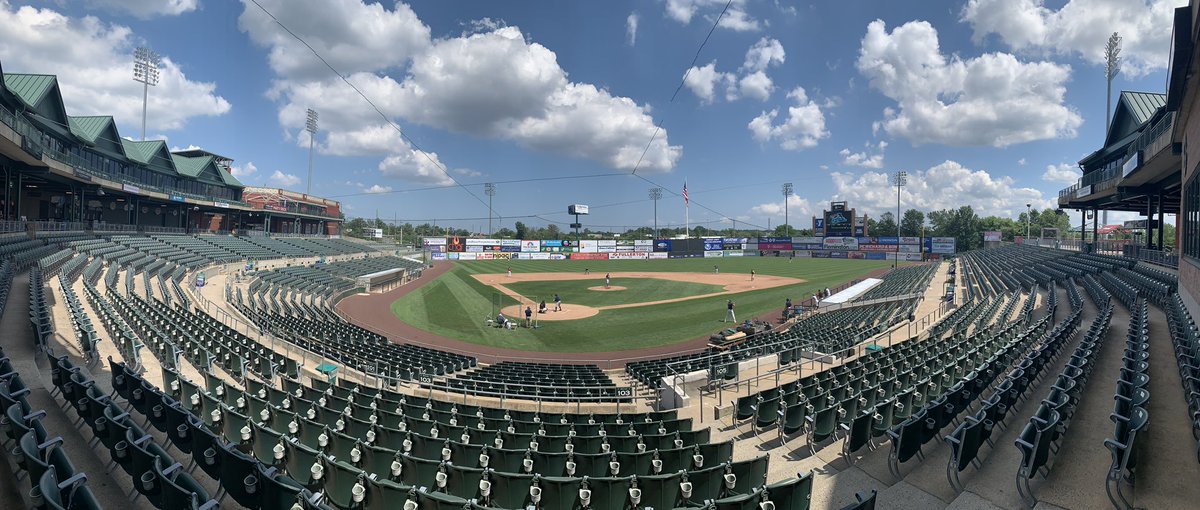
[455, 305]
[637, 290]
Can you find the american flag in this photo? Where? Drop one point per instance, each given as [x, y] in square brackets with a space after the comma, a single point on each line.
[685, 197]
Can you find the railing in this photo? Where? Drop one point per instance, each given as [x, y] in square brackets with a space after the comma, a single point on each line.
[164, 230]
[1158, 257]
[1156, 138]
[113, 227]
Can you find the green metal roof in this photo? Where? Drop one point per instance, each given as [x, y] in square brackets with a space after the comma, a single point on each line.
[190, 167]
[89, 129]
[29, 88]
[142, 152]
[228, 178]
[1142, 105]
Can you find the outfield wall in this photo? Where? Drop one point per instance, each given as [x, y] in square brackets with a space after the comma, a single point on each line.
[862, 248]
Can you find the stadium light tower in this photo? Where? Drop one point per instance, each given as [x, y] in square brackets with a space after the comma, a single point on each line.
[655, 195]
[310, 125]
[145, 71]
[1028, 219]
[787, 194]
[489, 189]
[901, 180]
[1112, 66]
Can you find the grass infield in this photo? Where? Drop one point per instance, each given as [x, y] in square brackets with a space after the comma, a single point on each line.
[455, 305]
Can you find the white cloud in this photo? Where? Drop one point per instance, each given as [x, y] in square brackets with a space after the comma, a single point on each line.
[756, 85]
[797, 207]
[190, 147]
[416, 167]
[1080, 27]
[352, 36]
[753, 83]
[284, 180]
[803, 128]
[993, 99]
[1021, 162]
[947, 185]
[494, 84]
[244, 171]
[375, 188]
[1064, 173]
[766, 52]
[737, 20]
[631, 26]
[865, 159]
[92, 60]
[146, 9]
[703, 80]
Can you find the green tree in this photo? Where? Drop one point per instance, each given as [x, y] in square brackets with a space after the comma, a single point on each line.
[522, 232]
[911, 222]
[886, 226]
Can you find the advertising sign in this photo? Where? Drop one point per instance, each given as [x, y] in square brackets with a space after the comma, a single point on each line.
[221, 204]
[434, 241]
[131, 188]
[711, 245]
[732, 253]
[887, 240]
[589, 256]
[838, 255]
[910, 240]
[808, 240]
[176, 198]
[467, 256]
[529, 245]
[821, 254]
[735, 240]
[877, 256]
[859, 231]
[588, 246]
[856, 255]
[510, 249]
[992, 236]
[455, 244]
[774, 243]
[510, 242]
[552, 243]
[633, 255]
[483, 256]
[841, 243]
[877, 247]
[909, 248]
[439, 256]
[662, 245]
[818, 224]
[860, 221]
[839, 223]
[942, 248]
[474, 249]
[657, 255]
[482, 242]
[713, 254]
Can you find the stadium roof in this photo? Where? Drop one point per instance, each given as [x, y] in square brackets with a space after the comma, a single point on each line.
[1133, 110]
[89, 129]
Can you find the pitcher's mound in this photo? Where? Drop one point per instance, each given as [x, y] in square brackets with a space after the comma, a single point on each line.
[609, 288]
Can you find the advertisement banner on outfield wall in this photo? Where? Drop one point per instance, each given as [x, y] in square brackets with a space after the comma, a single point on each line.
[774, 245]
[606, 245]
[530, 245]
[538, 256]
[877, 255]
[644, 244]
[803, 254]
[510, 249]
[841, 243]
[484, 256]
[878, 247]
[713, 254]
[627, 256]
[482, 242]
[663, 245]
[735, 240]
[474, 249]
[887, 240]
[807, 240]
[436, 249]
[502, 256]
[710, 245]
[510, 242]
[732, 253]
[588, 246]
[433, 241]
[942, 248]
[467, 256]
[452, 255]
[856, 255]
[838, 255]
[909, 248]
[821, 254]
[439, 256]
[659, 255]
[455, 244]
[589, 256]
[910, 240]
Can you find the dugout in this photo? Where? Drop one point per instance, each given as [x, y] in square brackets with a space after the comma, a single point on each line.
[388, 279]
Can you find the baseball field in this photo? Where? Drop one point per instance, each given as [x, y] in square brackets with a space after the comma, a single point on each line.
[649, 303]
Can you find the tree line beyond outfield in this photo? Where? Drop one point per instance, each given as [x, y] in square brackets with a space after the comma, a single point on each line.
[963, 224]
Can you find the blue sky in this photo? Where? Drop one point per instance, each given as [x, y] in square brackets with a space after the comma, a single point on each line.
[984, 102]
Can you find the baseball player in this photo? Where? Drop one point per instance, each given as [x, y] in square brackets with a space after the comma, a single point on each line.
[557, 303]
